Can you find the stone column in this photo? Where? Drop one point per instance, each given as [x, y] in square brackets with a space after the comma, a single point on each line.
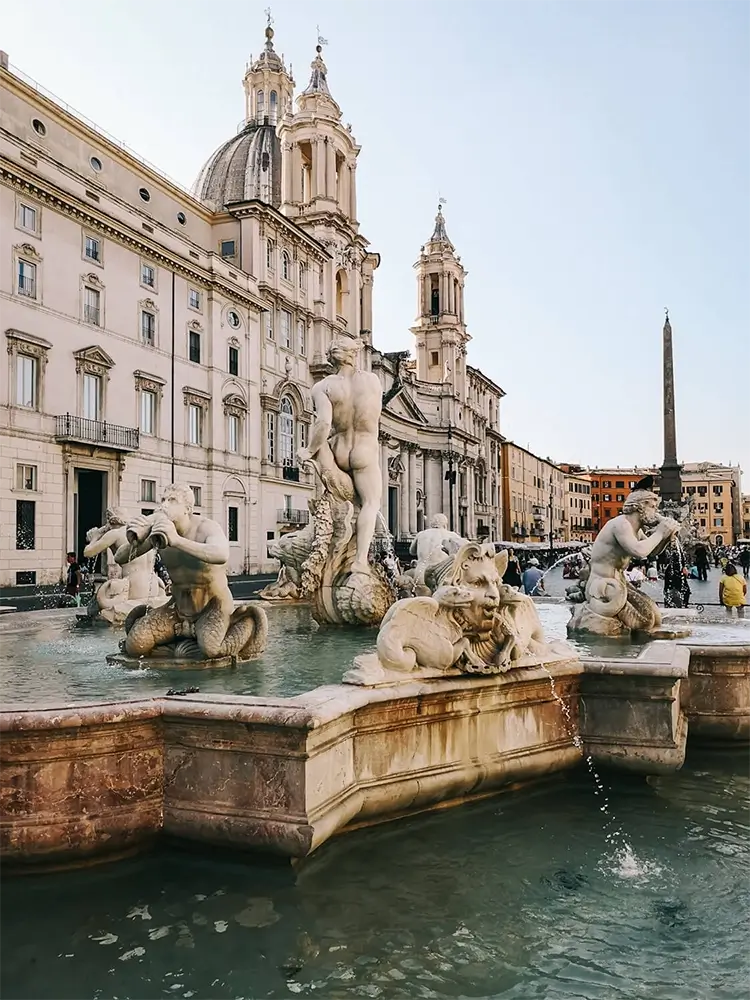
[353, 192]
[385, 478]
[296, 173]
[426, 297]
[404, 498]
[412, 490]
[319, 167]
[287, 170]
[344, 193]
[331, 170]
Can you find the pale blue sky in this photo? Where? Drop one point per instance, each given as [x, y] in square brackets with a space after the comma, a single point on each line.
[595, 157]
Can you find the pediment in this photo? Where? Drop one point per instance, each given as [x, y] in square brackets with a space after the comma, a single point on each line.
[404, 406]
[94, 355]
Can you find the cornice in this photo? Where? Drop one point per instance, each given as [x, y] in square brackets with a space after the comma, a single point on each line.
[49, 194]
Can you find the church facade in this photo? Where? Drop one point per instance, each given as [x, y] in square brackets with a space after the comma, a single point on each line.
[155, 334]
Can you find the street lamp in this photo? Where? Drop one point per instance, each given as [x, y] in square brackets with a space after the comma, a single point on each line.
[551, 512]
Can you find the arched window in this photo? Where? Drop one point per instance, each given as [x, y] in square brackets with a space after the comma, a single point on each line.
[260, 102]
[341, 290]
[269, 254]
[286, 266]
[272, 103]
[286, 431]
[302, 276]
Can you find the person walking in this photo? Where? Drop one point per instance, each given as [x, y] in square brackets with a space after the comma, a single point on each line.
[745, 560]
[732, 591]
[512, 574]
[533, 584]
[74, 579]
[701, 561]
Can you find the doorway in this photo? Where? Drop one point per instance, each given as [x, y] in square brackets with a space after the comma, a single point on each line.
[89, 505]
[393, 510]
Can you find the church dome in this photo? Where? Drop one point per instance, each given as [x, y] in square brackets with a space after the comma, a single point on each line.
[246, 167]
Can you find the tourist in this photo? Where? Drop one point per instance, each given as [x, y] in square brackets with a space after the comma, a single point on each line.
[652, 573]
[74, 579]
[745, 560]
[701, 561]
[635, 576]
[512, 574]
[532, 579]
[732, 591]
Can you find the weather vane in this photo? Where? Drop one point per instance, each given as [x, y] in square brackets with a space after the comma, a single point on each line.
[321, 40]
[441, 201]
[267, 12]
[666, 311]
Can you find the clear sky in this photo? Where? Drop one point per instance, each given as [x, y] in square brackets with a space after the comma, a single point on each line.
[595, 158]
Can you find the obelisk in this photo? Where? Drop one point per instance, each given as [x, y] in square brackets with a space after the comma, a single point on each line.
[670, 483]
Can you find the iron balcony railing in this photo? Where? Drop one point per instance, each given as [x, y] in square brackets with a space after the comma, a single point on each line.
[288, 516]
[91, 315]
[26, 286]
[70, 428]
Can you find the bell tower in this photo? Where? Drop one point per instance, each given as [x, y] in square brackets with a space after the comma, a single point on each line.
[440, 331]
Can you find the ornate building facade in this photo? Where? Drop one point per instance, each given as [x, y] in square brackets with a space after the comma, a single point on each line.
[155, 334]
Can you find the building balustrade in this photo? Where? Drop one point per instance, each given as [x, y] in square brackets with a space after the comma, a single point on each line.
[86, 431]
[287, 515]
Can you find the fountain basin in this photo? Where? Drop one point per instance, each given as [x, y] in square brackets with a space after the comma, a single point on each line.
[284, 775]
[716, 693]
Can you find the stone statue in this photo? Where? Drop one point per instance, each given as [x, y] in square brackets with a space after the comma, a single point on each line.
[283, 588]
[428, 546]
[347, 576]
[200, 622]
[614, 607]
[472, 623]
[135, 584]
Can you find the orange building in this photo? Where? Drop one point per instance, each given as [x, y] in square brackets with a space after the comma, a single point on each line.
[609, 487]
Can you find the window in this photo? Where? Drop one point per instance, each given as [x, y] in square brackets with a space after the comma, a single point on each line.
[92, 300]
[96, 163]
[148, 276]
[233, 318]
[269, 325]
[148, 491]
[286, 266]
[269, 254]
[195, 424]
[197, 495]
[607, 498]
[620, 498]
[286, 329]
[702, 491]
[226, 248]
[607, 512]
[718, 522]
[194, 347]
[595, 497]
[148, 328]
[39, 127]
[718, 490]
[25, 524]
[92, 396]
[233, 524]
[26, 278]
[234, 360]
[718, 508]
[606, 484]
[28, 218]
[260, 100]
[145, 194]
[26, 477]
[148, 411]
[270, 438]
[181, 218]
[27, 381]
[434, 359]
[620, 484]
[92, 249]
[302, 337]
[233, 433]
[194, 298]
[286, 431]
[302, 277]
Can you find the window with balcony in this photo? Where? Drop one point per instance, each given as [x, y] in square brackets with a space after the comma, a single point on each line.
[92, 306]
[286, 329]
[148, 411]
[148, 276]
[195, 424]
[194, 347]
[92, 396]
[234, 361]
[302, 337]
[26, 278]
[233, 524]
[148, 328]
[92, 249]
[27, 381]
[194, 299]
[148, 491]
[233, 433]
[28, 218]
[25, 524]
[26, 477]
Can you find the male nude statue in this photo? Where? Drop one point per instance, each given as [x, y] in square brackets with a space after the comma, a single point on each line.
[195, 551]
[345, 437]
[139, 582]
[621, 539]
[428, 546]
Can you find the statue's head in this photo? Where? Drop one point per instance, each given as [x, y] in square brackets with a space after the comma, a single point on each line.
[177, 501]
[645, 504]
[116, 517]
[344, 351]
[439, 521]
